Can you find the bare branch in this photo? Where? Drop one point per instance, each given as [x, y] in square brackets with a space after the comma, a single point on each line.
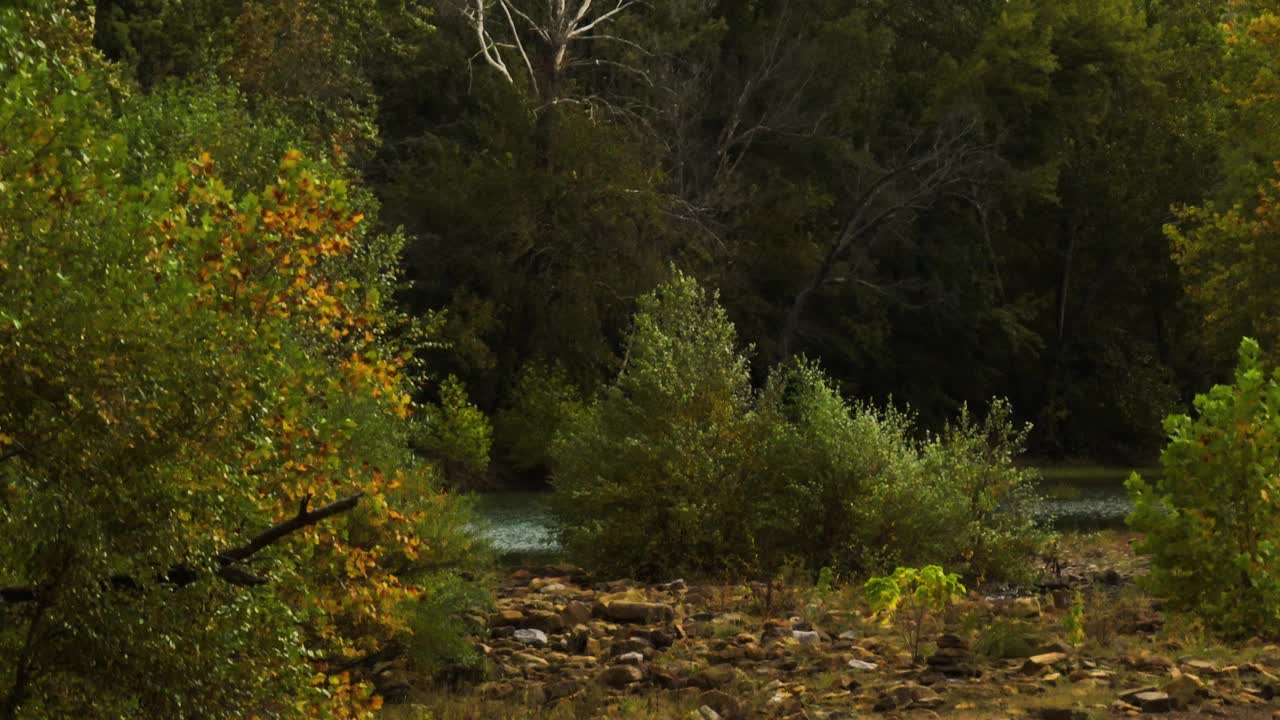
[533, 80]
[490, 55]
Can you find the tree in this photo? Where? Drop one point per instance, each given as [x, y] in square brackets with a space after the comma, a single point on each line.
[207, 505]
[552, 27]
[1209, 519]
[1227, 256]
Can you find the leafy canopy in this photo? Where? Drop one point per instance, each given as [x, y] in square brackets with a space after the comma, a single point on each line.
[182, 367]
[1210, 520]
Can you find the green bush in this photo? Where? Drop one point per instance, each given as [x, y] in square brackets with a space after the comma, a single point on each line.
[654, 476]
[850, 484]
[681, 466]
[541, 401]
[455, 433]
[913, 598]
[1212, 517]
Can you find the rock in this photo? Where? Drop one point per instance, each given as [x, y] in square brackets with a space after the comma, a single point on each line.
[620, 676]
[807, 637]
[562, 689]
[1154, 702]
[849, 635]
[531, 636]
[576, 613]
[674, 586]
[1148, 700]
[504, 618]
[631, 658]
[1025, 607]
[625, 611]
[1184, 690]
[529, 660]
[713, 677]
[706, 713]
[544, 620]
[725, 705]
[1037, 663]
[1201, 667]
[952, 642]
[857, 664]
[634, 643]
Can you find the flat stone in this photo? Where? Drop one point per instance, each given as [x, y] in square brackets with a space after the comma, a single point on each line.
[631, 658]
[1036, 663]
[531, 636]
[806, 637]
[523, 658]
[1154, 702]
[544, 620]
[504, 618]
[857, 664]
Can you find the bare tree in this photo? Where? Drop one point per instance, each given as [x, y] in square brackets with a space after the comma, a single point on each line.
[551, 26]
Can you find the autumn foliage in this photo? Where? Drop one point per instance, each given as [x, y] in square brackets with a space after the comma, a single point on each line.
[182, 367]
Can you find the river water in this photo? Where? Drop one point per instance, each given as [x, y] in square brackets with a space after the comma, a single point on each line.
[519, 523]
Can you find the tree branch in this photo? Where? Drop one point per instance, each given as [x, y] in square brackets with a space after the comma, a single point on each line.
[228, 561]
[275, 533]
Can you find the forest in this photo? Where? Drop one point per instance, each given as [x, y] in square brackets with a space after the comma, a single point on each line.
[779, 305]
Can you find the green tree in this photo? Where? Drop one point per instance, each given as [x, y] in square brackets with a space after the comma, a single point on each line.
[650, 477]
[207, 502]
[1210, 518]
[1227, 249]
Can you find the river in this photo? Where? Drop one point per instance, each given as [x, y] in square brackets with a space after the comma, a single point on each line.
[519, 523]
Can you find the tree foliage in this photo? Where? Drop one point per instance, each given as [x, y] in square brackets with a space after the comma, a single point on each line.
[681, 466]
[207, 505]
[1210, 518]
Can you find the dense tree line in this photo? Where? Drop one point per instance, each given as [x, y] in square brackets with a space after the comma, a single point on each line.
[943, 200]
[274, 273]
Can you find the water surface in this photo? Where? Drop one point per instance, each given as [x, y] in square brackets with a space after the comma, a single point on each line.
[1092, 498]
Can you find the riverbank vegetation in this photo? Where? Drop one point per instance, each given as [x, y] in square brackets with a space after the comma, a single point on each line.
[775, 296]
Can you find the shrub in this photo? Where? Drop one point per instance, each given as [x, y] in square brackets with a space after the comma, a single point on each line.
[455, 433]
[542, 400]
[680, 466]
[914, 598]
[850, 485]
[654, 475]
[1211, 519]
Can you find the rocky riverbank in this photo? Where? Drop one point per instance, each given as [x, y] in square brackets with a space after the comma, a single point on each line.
[560, 644]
